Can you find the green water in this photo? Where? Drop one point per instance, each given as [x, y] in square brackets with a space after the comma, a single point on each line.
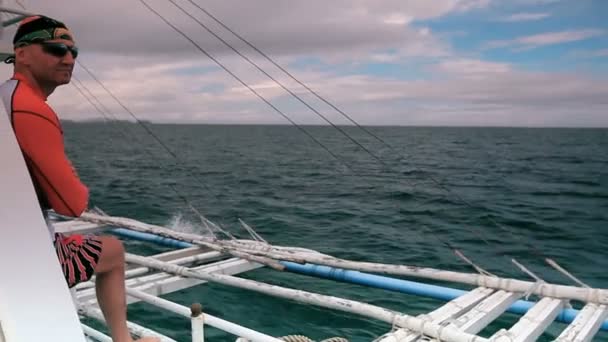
[546, 188]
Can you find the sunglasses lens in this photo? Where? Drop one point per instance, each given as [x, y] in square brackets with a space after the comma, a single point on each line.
[55, 49]
[59, 50]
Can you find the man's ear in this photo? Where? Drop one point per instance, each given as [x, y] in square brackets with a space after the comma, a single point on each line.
[22, 56]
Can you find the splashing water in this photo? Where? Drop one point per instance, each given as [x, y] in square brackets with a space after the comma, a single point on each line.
[179, 223]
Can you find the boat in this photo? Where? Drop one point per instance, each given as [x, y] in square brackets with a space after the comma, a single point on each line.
[473, 300]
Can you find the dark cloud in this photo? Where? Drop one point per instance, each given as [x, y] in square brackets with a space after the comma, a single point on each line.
[278, 27]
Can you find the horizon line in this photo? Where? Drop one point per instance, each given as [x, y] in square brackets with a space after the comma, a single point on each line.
[95, 121]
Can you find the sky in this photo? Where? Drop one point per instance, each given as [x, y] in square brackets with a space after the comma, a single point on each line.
[532, 63]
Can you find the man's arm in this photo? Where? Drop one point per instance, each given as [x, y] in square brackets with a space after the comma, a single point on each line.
[42, 144]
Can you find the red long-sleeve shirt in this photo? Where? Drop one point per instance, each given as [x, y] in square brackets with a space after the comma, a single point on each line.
[40, 136]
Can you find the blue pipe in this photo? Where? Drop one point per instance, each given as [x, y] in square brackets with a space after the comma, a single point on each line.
[168, 242]
[410, 287]
[366, 279]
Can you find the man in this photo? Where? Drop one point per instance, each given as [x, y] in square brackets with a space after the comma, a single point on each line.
[44, 59]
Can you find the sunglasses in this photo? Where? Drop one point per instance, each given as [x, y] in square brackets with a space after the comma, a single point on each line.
[58, 49]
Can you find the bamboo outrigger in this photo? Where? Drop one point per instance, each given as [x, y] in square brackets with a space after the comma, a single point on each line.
[201, 259]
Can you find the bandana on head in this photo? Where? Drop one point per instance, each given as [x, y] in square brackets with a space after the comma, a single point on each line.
[39, 28]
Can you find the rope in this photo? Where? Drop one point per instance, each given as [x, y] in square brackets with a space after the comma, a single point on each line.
[302, 338]
[563, 271]
[533, 288]
[20, 4]
[252, 232]
[468, 261]
[527, 271]
[295, 338]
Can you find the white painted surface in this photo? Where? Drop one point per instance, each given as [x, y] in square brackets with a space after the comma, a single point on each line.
[585, 325]
[35, 303]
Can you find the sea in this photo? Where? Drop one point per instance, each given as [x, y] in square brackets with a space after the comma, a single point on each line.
[397, 195]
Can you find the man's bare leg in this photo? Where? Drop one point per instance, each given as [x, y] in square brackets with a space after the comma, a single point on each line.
[110, 289]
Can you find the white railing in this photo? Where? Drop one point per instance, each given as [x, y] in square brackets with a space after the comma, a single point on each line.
[196, 315]
[199, 318]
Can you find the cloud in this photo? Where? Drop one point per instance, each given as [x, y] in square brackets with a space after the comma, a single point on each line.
[589, 54]
[537, 2]
[487, 95]
[314, 27]
[328, 45]
[463, 92]
[397, 19]
[341, 31]
[473, 67]
[467, 5]
[519, 17]
[543, 39]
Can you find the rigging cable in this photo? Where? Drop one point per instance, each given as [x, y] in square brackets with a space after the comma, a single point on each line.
[79, 85]
[200, 23]
[456, 251]
[280, 84]
[534, 249]
[246, 85]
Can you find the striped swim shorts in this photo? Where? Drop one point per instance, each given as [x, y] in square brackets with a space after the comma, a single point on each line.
[78, 256]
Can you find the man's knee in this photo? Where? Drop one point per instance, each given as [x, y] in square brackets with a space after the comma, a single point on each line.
[112, 244]
[112, 254]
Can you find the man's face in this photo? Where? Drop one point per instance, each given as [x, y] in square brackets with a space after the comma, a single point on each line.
[46, 65]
